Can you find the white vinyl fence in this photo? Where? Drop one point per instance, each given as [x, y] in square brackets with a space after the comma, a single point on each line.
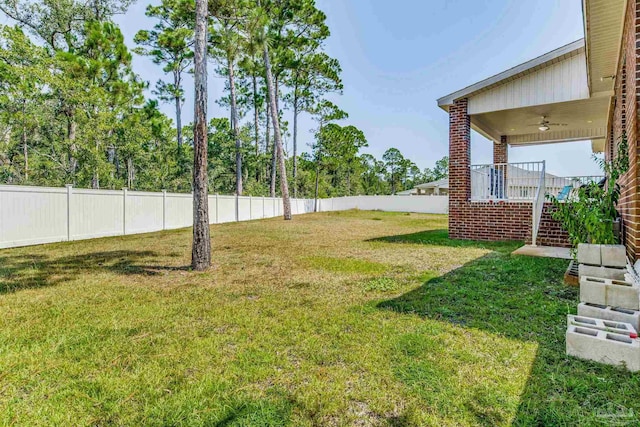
[35, 215]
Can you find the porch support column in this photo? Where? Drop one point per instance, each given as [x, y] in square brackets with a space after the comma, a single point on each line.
[459, 163]
[501, 156]
[501, 151]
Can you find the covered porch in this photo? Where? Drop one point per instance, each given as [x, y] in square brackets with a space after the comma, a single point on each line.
[551, 99]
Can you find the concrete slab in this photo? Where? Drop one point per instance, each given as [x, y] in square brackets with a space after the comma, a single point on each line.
[544, 252]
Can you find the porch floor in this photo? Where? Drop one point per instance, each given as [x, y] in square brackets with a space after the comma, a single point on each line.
[544, 251]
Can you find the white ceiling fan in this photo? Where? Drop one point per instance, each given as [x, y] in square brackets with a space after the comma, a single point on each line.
[545, 125]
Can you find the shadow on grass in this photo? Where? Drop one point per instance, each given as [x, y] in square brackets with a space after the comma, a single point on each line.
[19, 272]
[441, 238]
[523, 298]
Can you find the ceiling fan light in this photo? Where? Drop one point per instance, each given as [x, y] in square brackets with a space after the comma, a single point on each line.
[543, 128]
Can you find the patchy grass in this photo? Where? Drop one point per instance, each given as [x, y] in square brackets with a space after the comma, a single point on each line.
[346, 318]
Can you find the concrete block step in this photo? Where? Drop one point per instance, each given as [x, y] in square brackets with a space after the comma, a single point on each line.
[621, 328]
[602, 255]
[607, 292]
[603, 347]
[610, 313]
[614, 273]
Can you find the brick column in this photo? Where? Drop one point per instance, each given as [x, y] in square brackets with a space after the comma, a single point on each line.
[501, 156]
[501, 151]
[459, 162]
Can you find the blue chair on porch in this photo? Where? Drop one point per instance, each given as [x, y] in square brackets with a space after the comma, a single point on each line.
[565, 192]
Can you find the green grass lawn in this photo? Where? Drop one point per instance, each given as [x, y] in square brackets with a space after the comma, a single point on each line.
[333, 319]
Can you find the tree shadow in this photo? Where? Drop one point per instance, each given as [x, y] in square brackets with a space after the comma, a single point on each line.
[18, 272]
[524, 298]
[441, 238]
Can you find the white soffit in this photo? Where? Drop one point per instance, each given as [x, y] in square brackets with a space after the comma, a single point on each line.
[604, 24]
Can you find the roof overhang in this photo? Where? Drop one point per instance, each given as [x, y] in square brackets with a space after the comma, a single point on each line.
[603, 26]
[572, 86]
[513, 73]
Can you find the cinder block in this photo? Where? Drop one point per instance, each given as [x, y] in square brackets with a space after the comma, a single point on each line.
[607, 292]
[589, 254]
[621, 328]
[612, 273]
[610, 313]
[603, 347]
[613, 256]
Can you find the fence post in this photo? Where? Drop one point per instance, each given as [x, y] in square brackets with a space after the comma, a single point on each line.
[250, 207]
[69, 193]
[217, 203]
[237, 208]
[164, 209]
[124, 211]
[262, 206]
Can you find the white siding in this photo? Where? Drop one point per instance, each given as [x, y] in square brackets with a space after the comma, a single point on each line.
[562, 81]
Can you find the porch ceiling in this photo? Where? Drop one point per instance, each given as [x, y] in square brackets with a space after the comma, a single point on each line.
[585, 119]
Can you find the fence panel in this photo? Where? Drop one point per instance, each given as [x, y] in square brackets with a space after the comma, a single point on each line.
[34, 215]
[226, 209]
[145, 212]
[96, 213]
[257, 210]
[179, 210]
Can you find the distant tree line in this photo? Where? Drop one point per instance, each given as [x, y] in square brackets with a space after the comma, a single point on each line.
[73, 111]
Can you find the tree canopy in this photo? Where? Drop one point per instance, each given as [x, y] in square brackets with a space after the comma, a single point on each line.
[73, 110]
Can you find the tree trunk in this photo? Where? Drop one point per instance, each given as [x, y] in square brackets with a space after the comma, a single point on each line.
[73, 148]
[176, 83]
[295, 141]
[267, 148]
[25, 151]
[256, 111]
[179, 122]
[284, 186]
[315, 204]
[274, 168]
[201, 249]
[130, 173]
[234, 125]
[348, 180]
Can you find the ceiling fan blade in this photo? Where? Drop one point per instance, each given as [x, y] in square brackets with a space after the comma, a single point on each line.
[557, 124]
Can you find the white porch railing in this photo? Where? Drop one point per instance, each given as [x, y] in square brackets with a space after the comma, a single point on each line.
[522, 182]
[560, 187]
[506, 181]
[538, 206]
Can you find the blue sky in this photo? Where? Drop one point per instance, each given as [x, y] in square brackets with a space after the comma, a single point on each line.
[399, 57]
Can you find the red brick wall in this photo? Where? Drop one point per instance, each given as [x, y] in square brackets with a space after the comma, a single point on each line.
[491, 221]
[551, 232]
[625, 119]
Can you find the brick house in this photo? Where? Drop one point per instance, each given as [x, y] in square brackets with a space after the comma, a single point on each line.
[586, 90]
